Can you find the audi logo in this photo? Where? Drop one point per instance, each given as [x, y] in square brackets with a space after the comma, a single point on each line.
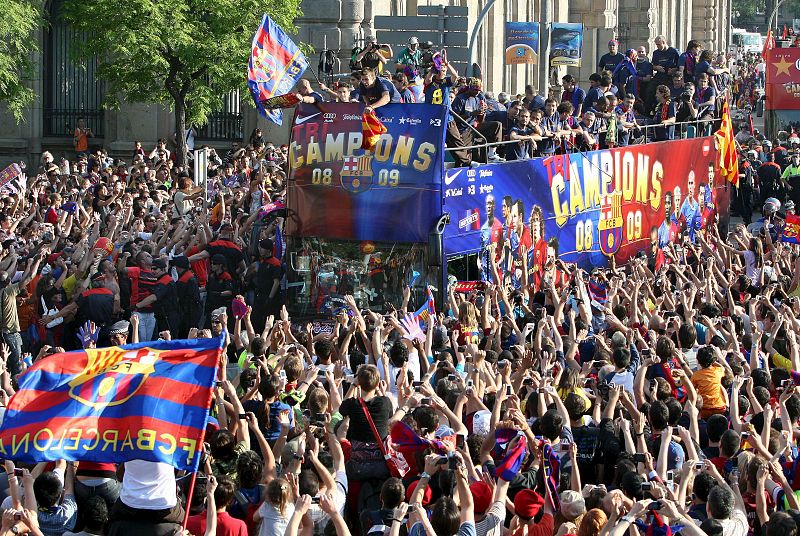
[329, 116]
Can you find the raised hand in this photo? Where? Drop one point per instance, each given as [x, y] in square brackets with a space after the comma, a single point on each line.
[87, 334]
[412, 329]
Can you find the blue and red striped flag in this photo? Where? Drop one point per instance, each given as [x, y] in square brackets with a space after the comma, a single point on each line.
[276, 64]
[427, 310]
[552, 474]
[510, 465]
[147, 401]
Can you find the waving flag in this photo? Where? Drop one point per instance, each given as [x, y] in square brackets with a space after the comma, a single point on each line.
[427, 310]
[371, 128]
[769, 44]
[791, 229]
[552, 474]
[147, 401]
[276, 64]
[509, 466]
[729, 161]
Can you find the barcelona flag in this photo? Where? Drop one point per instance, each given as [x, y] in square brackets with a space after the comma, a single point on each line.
[791, 229]
[147, 401]
[276, 64]
[427, 310]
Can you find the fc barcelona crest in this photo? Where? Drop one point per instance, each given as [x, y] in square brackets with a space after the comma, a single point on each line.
[112, 376]
[356, 174]
[610, 225]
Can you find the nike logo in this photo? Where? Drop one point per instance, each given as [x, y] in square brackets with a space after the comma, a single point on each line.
[448, 179]
[301, 120]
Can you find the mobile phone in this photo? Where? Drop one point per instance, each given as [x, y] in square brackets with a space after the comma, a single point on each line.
[508, 390]
[502, 364]
[282, 374]
[426, 401]
[242, 416]
[469, 384]
[786, 383]
[565, 447]
[17, 472]
[670, 475]
[699, 465]
[412, 508]
[647, 486]
[745, 435]
[451, 377]
[598, 364]
[655, 505]
[17, 517]
[461, 441]
[416, 384]
[527, 382]
[639, 458]
[452, 463]
[314, 500]
[219, 384]
[645, 351]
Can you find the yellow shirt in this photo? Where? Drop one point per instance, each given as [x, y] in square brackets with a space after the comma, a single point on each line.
[68, 285]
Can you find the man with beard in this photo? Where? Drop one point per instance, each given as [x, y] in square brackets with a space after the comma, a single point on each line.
[526, 137]
[491, 233]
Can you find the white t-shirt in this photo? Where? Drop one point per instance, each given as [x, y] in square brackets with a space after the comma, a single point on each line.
[148, 485]
[750, 265]
[736, 525]
[413, 368]
[272, 522]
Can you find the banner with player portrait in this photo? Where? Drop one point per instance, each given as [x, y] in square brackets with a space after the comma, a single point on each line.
[586, 206]
[339, 190]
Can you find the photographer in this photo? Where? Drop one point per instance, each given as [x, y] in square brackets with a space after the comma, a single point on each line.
[374, 55]
[410, 56]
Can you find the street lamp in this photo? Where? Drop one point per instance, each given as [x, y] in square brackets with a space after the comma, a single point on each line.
[774, 14]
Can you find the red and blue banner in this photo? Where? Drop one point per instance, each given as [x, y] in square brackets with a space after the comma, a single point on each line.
[791, 229]
[276, 64]
[147, 401]
[584, 207]
[339, 190]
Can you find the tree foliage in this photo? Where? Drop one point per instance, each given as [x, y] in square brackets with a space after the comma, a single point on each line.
[187, 54]
[747, 9]
[19, 23]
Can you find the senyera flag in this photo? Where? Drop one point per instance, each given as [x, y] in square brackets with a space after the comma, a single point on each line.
[791, 229]
[276, 64]
[147, 401]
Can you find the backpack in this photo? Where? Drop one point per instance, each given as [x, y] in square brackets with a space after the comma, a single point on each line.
[242, 508]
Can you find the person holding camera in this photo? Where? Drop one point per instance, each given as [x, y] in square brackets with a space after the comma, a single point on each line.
[374, 55]
[685, 108]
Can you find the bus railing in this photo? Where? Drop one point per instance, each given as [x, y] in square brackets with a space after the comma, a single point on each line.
[642, 138]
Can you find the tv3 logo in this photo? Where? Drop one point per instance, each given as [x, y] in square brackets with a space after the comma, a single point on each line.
[436, 122]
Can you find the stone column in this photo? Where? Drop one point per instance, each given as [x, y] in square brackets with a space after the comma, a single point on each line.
[599, 18]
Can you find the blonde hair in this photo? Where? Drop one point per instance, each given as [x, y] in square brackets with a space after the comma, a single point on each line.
[278, 494]
[467, 314]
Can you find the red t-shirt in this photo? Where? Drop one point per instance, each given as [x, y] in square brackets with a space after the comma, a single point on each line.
[200, 268]
[226, 525]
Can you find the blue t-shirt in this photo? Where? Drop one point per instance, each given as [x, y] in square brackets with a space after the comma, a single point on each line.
[704, 95]
[522, 149]
[577, 98]
[592, 96]
[374, 93]
[439, 92]
[667, 132]
[609, 61]
[550, 124]
[667, 58]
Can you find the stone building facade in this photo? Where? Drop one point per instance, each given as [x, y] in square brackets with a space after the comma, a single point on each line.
[339, 25]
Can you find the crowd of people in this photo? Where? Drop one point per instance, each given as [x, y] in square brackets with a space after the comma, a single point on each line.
[643, 399]
[632, 98]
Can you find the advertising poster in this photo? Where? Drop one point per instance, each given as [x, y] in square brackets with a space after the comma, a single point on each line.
[566, 42]
[585, 207]
[338, 190]
[522, 43]
[783, 79]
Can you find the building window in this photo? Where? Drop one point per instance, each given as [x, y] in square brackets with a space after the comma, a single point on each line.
[71, 87]
[226, 124]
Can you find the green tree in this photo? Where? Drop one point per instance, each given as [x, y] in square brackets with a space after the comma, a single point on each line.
[187, 54]
[18, 43]
[747, 8]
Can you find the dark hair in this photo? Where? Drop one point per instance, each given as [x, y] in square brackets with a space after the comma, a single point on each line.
[308, 482]
[551, 425]
[621, 357]
[576, 406]
[248, 469]
[568, 78]
[705, 356]
[716, 426]
[392, 493]
[720, 503]
[222, 443]
[223, 495]
[94, 513]
[47, 489]
[631, 485]
[658, 415]
[445, 517]
[324, 348]
[426, 419]
[729, 443]
[398, 353]
[687, 335]
[703, 484]
[780, 523]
